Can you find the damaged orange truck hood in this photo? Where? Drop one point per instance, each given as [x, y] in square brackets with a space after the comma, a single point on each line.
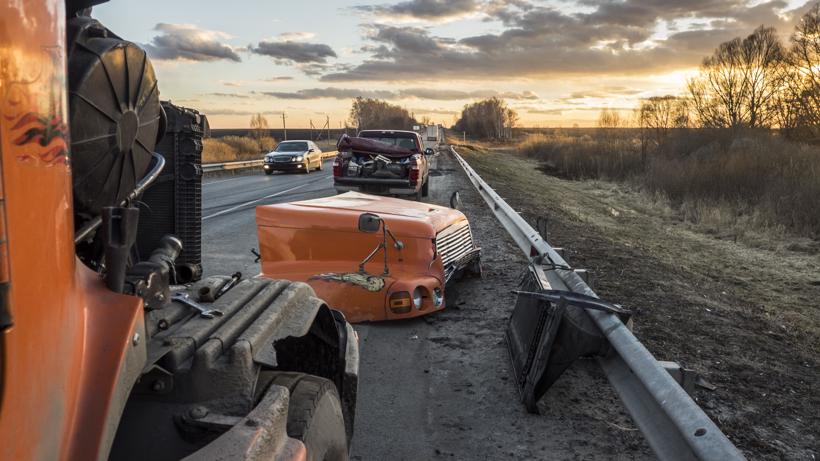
[405, 218]
[318, 242]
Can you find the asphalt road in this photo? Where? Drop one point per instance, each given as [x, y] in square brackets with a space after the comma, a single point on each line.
[438, 387]
[229, 218]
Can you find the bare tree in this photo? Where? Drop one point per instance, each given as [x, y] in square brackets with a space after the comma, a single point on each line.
[738, 85]
[802, 78]
[490, 118]
[762, 56]
[659, 114]
[259, 127]
[609, 118]
[367, 113]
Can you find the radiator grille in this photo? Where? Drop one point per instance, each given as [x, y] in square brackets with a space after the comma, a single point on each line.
[454, 242]
[173, 205]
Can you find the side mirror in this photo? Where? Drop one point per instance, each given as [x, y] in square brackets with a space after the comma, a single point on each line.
[369, 223]
[428, 151]
[311, 150]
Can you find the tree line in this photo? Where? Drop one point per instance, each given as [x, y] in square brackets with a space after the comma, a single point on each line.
[756, 82]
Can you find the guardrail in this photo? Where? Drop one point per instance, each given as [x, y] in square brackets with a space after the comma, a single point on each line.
[229, 166]
[675, 427]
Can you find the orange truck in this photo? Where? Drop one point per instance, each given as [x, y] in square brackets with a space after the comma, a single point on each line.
[371, 257]
[102, 354]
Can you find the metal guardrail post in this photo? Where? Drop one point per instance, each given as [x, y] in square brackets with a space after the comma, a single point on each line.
[675, 427]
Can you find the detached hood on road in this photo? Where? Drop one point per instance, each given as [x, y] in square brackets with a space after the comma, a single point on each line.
[347, 143]
[341, 212]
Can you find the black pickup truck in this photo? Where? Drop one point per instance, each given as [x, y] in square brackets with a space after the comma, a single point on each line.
[382, 162]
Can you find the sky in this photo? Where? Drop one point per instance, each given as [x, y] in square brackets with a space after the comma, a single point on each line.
[556, 62]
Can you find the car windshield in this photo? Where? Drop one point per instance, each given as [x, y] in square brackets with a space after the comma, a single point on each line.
[292, 147]
[407, 143]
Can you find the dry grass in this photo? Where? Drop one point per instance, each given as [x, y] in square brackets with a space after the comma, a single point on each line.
[605, 156]
[235, 148]
[753, 181]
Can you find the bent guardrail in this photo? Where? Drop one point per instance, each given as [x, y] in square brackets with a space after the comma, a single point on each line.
[675, 427]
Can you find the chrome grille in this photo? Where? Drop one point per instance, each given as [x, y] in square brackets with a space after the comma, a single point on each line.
[454, 242]
[282, 159]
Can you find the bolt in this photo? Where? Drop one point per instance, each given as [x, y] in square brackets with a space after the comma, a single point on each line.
[136, 339]
[198, 412]
[158, 386]
[162, 324]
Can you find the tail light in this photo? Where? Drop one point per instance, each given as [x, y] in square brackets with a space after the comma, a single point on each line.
[414, 174]
[337, 167]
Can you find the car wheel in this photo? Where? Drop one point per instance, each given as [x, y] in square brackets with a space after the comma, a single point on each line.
[315, 415]
[307, 167]
[268, 172]
[321, 164]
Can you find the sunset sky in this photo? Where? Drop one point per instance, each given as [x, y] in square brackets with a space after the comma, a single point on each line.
[556, 62]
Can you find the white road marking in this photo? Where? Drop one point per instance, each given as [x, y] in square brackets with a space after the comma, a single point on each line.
[276, 194]
[231, 179]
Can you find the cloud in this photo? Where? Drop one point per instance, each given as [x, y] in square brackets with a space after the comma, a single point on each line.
[296, 36]
[230, 95]
[408, 93]
[332, 93]
[540, 111]
[231, 83]
[553, 40]
[431, 10]
[280, 78]
[434, 111]
[290, 51]
[218, 111]
[441, 10]
[189, 43]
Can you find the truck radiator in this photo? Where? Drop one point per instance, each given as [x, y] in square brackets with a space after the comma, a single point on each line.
[173, 205]
[454, 243]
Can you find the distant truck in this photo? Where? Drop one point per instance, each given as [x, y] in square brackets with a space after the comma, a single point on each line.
[383, 162]
[432, 136]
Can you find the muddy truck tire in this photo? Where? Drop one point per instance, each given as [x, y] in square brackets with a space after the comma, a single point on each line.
[315, 415]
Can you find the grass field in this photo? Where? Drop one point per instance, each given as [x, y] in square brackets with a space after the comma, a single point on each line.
[731, 183]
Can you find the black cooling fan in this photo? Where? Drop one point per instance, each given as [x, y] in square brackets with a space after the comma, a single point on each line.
[115, 115]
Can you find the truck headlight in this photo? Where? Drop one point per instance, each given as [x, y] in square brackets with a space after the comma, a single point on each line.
[418, 298]
[438, 297]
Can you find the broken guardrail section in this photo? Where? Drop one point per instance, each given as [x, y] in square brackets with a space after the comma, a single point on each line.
[558, 318]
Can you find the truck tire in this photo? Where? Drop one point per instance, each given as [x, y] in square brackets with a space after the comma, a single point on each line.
[315, 415]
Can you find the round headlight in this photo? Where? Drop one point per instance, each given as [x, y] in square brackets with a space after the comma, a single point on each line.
[438, 297]
[299, 158]
[418, 298]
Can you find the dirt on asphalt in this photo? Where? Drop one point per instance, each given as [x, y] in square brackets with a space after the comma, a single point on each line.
[746, 318]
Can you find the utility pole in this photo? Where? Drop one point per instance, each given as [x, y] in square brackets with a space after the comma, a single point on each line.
[284, 127]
